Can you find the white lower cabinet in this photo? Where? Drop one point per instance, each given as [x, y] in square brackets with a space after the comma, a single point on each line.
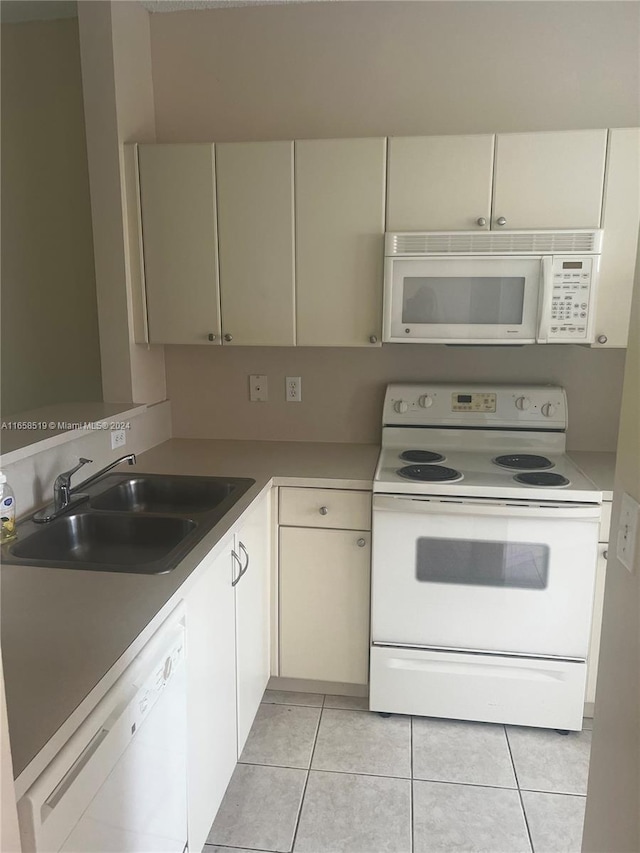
[325, 572]
[252, 616]
[227, 663]
[211, 694]
[598, 604]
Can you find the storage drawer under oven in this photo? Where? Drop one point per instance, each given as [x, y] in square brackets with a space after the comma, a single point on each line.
[487, 688]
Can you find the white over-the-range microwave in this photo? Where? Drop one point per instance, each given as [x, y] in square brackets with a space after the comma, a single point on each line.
[508, 287]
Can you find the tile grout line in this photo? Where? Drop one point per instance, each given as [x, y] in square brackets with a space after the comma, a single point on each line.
[411, 815]
[408, 778]
[306, 781]
[515, 773]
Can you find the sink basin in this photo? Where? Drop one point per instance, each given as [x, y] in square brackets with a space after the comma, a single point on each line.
[170, 494]
[140, 524]
[111, 542]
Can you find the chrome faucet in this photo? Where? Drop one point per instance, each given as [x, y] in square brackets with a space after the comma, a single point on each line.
[65, 498]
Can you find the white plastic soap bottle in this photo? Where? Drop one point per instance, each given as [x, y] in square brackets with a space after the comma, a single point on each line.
[7, 511]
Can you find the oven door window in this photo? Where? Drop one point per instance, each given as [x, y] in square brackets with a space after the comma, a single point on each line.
[515, 565]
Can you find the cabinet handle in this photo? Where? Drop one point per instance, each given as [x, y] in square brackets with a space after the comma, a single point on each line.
[481, 221]
[605, 554]
[323, 510]
[211, 336]
[602, 339]
[228, 337]
[501, 220]
[361, 542]
[373, 339]
[246, 553]
[239, 562]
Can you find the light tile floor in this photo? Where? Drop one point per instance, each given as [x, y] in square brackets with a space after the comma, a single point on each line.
[321, 774]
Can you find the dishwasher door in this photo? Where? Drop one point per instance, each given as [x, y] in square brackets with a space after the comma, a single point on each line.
[119, 783]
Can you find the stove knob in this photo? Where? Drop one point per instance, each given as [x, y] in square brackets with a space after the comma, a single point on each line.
[401, 407]
[548, 410]
[425, 401]
[523, 403]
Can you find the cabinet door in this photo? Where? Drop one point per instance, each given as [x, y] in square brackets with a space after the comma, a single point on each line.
[620, 221]
[439, 183]
[596, 624]
[178, 212]
[549, 180]
[324, 604]
[339, 241]
[255, 227]
[211, 694]
[252, 616]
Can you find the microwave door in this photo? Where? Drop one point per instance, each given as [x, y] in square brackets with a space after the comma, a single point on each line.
[463, 300]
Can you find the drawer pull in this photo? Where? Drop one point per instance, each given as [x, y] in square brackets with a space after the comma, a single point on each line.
[605, 554]
[361, 542]
[323, 510]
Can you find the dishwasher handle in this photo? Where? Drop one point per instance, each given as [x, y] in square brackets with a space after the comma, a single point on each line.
[74, 771]
[497, 509]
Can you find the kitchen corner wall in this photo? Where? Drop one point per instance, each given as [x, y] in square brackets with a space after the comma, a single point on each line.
[387, 68]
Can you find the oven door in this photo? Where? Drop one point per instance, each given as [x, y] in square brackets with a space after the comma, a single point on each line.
[480, 575]
[470, 300]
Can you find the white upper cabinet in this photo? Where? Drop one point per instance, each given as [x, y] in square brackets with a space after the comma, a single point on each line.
[549, 180]
[255, 234]
[620, 221]
[178, 212]
[439, 183]
[340, 190]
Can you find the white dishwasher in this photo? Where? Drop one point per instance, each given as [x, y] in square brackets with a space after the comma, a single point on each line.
[119, 783]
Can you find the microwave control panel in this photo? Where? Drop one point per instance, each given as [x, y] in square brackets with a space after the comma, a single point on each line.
[572, 299]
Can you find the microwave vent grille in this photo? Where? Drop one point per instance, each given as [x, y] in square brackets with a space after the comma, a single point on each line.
[494, 243]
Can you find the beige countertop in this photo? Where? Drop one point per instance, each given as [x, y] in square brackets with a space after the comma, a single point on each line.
[599, 466]
[62, 630]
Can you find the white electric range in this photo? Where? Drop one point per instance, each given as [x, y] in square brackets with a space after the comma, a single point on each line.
[484, 554]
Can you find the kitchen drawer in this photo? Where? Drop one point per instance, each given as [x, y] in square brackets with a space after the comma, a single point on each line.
[605, 521]
[334, 508]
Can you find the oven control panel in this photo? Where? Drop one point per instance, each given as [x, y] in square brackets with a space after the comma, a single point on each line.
[483, 402]
[540, 407]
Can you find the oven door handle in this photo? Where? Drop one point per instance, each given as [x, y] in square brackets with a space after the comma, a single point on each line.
[424, 506]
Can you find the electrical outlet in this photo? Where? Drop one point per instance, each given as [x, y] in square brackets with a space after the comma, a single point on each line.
[258, 388]
[627, 531]
[293, 389]
[118, 438]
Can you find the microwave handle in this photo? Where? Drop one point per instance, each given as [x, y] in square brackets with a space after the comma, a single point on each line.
[546, 299]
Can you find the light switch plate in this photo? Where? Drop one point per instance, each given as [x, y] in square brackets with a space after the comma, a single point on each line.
[258, 388]
[627, 531]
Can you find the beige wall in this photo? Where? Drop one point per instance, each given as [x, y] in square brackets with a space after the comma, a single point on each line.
[50, 351]
[377, 69]
[342, 389]
[118, 96]
[359, 69]
[613, 800]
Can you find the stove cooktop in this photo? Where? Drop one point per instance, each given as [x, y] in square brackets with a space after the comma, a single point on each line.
[495, 442]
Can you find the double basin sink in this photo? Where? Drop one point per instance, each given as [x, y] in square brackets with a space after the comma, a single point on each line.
[144, 524]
